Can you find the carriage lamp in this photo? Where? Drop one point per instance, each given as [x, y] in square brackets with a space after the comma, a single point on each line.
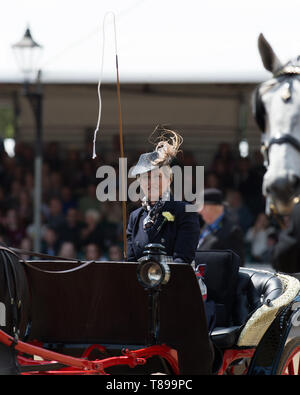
[152, 272]
[153, 269]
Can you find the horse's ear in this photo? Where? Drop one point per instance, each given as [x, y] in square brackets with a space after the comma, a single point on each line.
[269, 58]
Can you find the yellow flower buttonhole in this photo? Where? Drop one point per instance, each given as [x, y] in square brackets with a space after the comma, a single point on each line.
[168, 216]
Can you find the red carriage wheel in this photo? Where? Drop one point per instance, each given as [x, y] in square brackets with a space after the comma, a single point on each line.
[290, 360]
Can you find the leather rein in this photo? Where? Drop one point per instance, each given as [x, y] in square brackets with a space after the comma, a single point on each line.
[16, 251]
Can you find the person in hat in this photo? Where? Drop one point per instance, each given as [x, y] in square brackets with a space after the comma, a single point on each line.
[219, 232]
[161, 219]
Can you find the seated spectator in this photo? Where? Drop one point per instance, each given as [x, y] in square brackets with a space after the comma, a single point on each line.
[50, 242]
[25, 208]
[225, 155]
[55, 217]
[89, 200]
[211, 180]
[257, 200]
[14, 229]
[29, 184]
[67, 199]
[15, 190]
[257, 237]
[71, 169]
[93, 253]
[114, 212]
[4, 200]
[241, 176]
[30, 229]
[248, 181]
[86, 177]
[26, 244]
[3, 239]
[111, 224]
[2, 221]
[220, 231]
[239, 210]
[115, 253]
[224, 175]
[102, 229]
[91, 231]
[67, 250]
[272, 239]
[52, 155]
[71, 228]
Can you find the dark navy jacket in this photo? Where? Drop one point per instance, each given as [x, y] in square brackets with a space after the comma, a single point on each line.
[229, 236]
[180, 237]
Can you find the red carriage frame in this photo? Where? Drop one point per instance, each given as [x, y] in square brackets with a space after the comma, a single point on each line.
[56, 363]
[79, 366]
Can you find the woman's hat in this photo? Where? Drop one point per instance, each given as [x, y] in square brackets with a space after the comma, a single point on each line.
[145, 163]
[165, 151]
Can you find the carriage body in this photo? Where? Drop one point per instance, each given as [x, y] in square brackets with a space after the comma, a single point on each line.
[100, 320]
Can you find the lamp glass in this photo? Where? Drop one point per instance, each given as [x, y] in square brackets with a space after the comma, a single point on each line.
[27, 53]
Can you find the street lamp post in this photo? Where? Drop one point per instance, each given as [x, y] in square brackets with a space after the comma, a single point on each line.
[27, 52]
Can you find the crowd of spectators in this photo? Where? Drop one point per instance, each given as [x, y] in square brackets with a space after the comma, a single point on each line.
[76, 225]
[240, 179]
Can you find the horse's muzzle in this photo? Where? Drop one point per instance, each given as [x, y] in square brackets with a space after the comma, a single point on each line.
[283, 188]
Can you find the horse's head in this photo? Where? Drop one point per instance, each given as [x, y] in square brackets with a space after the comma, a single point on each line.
[277, 112]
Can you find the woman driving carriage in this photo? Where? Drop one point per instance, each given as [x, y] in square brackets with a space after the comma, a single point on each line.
[161, 219]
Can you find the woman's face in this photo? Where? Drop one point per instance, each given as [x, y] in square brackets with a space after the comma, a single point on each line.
[154, 183]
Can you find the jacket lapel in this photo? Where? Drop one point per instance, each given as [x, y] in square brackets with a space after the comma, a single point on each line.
[143, 237]
[157, 226]
[140, 237]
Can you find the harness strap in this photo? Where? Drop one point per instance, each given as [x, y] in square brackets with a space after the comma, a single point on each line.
[25, 252]
[16, 251]
[13, 269]
[59, 271]
[284, 139]
[38, 254]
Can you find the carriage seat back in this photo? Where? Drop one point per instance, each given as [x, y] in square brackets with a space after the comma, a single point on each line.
[236, 291]
[221, 277]
[254, 288]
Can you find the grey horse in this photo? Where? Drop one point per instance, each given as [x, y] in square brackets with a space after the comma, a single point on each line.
[277, 111]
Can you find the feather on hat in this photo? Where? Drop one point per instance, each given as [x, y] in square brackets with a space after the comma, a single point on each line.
[166, 149]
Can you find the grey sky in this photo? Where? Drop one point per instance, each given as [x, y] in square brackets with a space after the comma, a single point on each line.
[158, 40]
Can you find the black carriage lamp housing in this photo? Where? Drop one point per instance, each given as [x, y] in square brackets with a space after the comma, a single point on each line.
[153, 270]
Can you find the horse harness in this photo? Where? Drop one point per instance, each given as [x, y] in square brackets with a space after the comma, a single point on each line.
[288, 71]
[15, 299]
